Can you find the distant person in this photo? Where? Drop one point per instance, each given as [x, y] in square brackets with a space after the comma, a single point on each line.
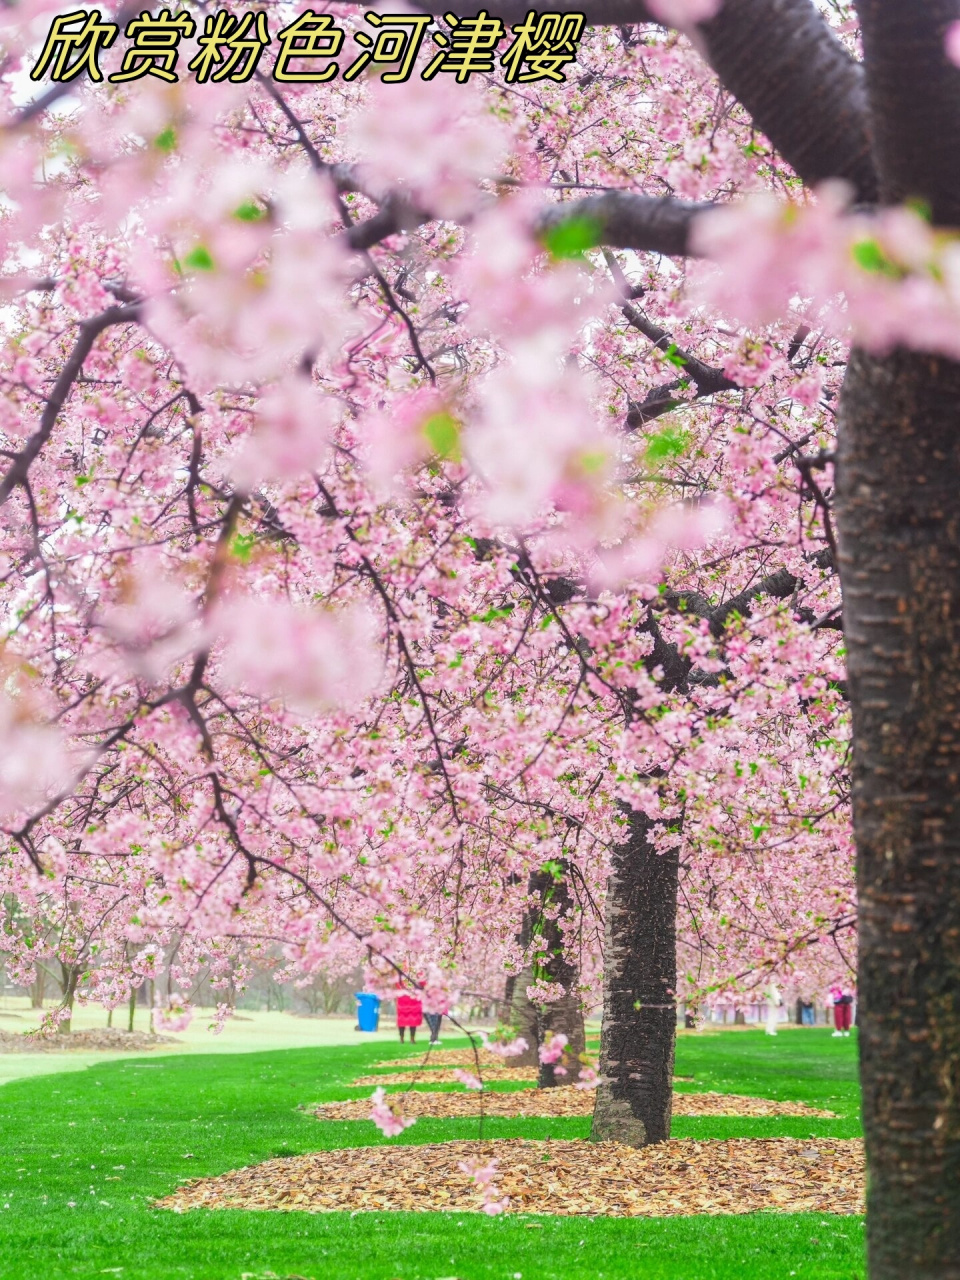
[842, 1009]
[433, 1022]
[409, 1015]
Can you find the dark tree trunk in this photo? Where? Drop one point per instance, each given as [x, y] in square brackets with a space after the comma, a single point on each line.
[563, 1016]
[899, 525]
[509, 986]
[521, 1011]
[898, 511]
[635, 1099]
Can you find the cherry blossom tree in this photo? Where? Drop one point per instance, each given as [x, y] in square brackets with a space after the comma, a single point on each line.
[417, 496]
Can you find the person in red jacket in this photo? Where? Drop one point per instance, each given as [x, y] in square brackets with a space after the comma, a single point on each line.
[409, 1015]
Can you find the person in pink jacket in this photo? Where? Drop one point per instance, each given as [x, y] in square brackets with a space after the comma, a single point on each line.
[409, 1015]
[842, 1009]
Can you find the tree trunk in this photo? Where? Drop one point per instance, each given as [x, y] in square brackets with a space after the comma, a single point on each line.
[521, 1011]
[635, 1099]
[38, 988]
[132, 1008]
[70, 973]
[563, 1016]
[509, 986]
[898, 505]
[523, 1017]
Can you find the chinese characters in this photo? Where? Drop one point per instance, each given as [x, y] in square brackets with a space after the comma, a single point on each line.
[309, 49]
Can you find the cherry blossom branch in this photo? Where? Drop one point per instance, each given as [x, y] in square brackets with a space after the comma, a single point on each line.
[782, 62]
[705, 378]
[90, 330]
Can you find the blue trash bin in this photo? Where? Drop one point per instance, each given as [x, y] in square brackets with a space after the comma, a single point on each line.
[368, 1011]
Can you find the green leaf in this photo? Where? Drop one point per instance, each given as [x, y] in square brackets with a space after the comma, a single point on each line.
[442, 432]
[242, 546]
[572, 238]
[920, 207]
[250, 211]
[593, 461]
[671, 442]
[166, 141]
[199, 258]
[493, 614]
[868, 255]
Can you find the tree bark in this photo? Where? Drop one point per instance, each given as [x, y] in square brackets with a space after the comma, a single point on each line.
[38, 989]
[783, 63]
[523, 1016]
[914, 94]
[563, 1016]
[898, 509]
[635, 1098]
[509, 987]
[70, 975]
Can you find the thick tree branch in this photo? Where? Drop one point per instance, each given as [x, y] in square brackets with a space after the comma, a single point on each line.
[623, 220]
[782, 62]
[915, 98]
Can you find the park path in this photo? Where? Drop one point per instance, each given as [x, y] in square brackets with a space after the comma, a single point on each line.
[248, 1033]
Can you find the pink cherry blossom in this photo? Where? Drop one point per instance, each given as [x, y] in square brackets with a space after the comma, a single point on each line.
[467, 1079]
[684, 13]
[387, 1116]
[551, 1050]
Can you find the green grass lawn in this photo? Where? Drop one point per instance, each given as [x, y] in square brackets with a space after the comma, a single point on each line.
[84, 1153]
